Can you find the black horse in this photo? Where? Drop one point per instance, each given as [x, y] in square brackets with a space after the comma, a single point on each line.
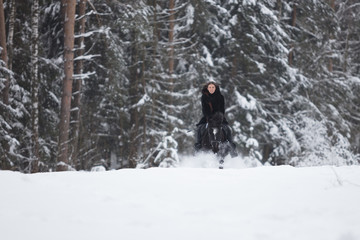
[214, 138]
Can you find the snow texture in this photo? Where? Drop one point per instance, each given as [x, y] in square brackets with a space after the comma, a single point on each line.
[244, 103]
[272, 203]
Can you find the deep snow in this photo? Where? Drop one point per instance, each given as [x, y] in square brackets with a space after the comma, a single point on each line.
[270, 203]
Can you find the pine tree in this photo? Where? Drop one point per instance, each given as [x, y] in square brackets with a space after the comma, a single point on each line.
[78, 85]
[63, 158]
[288, 70]
[51, 74]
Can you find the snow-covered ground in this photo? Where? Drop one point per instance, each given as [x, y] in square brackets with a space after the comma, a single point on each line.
[189, 202]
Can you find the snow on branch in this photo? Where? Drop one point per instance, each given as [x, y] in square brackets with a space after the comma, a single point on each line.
[244, 103]
[83, 75]
[6, 70]
[92, 12]
[354, 80]
[86, 57]
[142, 101]
[88, 34]
[54, 97]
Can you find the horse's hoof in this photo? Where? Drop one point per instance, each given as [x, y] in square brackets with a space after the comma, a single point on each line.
[221, 164]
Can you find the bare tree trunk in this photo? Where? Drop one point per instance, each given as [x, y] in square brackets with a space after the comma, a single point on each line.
[293, 23]
[154, 70]
[5, 91]
[35, 87]
[10, 50]
[11, 33]
[330, 67]
[63, 10]
[134, 114]
[78, 84]
[171, 37]
[279, 7]
[63, 145]
[4, 55]
[171, 51]
[144, 110]
[346, 53]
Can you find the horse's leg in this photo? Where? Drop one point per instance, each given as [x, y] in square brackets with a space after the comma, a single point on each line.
[223, 151]
[221, 163]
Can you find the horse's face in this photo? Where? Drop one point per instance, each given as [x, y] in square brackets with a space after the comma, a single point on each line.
[216, 136]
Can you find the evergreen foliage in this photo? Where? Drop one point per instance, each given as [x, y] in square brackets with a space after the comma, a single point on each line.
[289, 71]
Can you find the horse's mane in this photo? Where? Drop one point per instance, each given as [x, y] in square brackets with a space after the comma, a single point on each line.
[216, 120]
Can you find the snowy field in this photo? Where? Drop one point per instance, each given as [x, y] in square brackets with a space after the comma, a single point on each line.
[195, 201]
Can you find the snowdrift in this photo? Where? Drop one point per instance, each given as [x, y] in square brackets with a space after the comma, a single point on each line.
[270, 203]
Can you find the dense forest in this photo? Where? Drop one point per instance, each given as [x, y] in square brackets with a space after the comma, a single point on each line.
[118, 82]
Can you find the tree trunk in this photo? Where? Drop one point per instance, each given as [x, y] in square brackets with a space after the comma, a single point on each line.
[144, 110]
[78, 84]
[279, 7]
[346, 51]
[11, 33]
[330, 67]
[134, 113]
[171, 38]
[4, 55]
[154, 71]
[63, 10]
[171, 54]
[63, 145]
[293, 23]
[35, 87]
[5, 91]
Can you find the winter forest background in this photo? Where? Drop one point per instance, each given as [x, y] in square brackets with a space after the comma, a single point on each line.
[289, 72]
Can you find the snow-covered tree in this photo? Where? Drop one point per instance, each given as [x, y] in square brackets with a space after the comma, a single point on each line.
[289, 71]
[35, 87]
